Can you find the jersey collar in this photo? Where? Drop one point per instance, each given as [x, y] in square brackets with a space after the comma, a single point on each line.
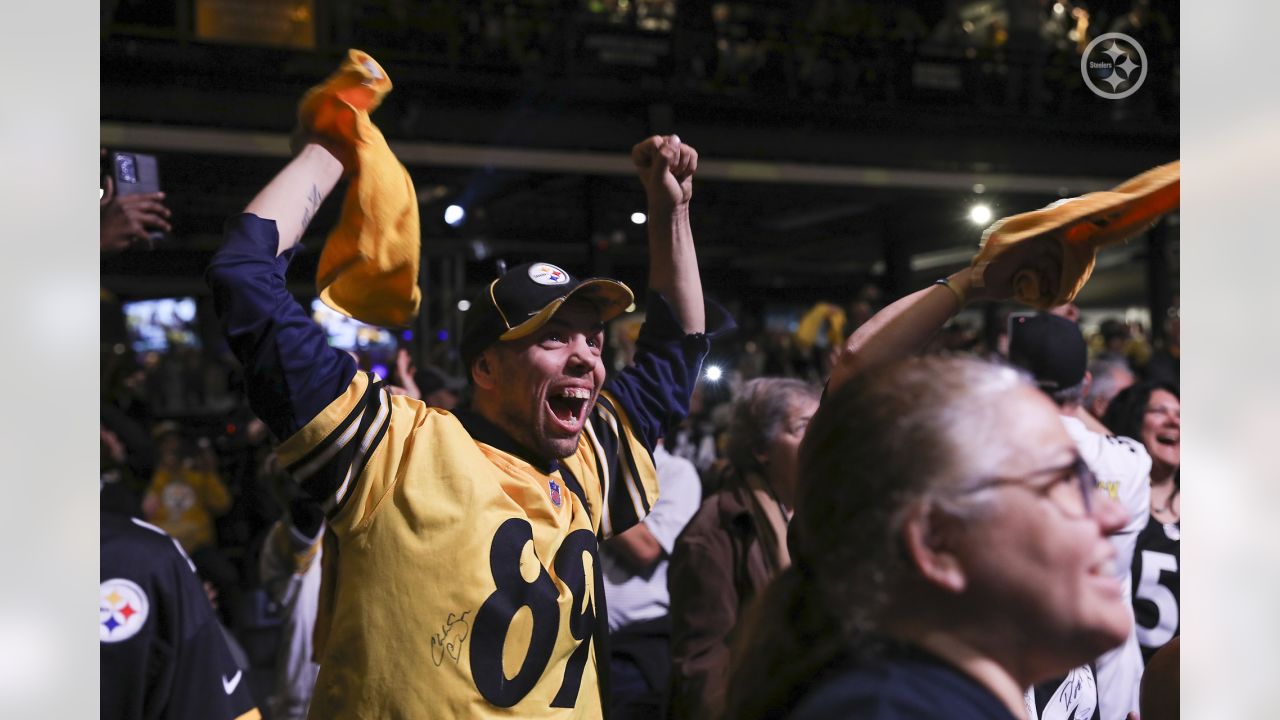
[482, 430]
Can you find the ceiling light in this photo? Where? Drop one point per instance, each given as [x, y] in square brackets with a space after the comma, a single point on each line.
[980, 214]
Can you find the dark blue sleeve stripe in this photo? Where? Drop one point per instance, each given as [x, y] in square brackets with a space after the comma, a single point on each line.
[366, 451]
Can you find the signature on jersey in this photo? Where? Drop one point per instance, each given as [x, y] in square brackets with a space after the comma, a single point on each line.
[448, 642]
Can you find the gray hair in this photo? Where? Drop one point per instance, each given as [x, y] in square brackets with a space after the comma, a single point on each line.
[1105, 384]
[916, 431]
[921, 430]
[759, 413]
[1065, 397]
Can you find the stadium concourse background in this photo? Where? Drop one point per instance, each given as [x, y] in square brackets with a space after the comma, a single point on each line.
[844, 145]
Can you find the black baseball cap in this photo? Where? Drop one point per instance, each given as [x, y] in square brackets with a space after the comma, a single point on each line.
[519, 302]
[1050, 347]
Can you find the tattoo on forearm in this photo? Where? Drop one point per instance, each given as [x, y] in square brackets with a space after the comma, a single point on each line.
[308, 212]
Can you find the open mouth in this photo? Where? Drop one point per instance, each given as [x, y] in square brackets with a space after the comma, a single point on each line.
[568, 406]
[1170, 440]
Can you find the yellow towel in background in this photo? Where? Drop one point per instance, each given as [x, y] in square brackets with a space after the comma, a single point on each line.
[1081, 225]
[811, 323]
[369, 265]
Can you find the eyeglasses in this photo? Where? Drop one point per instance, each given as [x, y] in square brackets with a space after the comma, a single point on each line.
[1070, 489]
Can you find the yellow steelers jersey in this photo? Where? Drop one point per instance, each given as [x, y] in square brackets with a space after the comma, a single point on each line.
[459, 575]
[464, 582]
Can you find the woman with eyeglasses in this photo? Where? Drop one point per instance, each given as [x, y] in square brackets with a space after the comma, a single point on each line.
[1151, 413]
[949, 550]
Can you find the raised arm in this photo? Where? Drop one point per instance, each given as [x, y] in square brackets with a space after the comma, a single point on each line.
[905, 327]
[291, 373]
[666, 168]
[294, 195]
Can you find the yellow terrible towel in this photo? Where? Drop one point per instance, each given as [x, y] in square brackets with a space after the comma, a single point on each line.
[369, 266]
[1081, 226]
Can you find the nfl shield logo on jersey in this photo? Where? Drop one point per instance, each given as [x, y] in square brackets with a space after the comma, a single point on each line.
[555, 492]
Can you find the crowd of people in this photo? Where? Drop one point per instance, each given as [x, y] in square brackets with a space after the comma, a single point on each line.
[866, 523]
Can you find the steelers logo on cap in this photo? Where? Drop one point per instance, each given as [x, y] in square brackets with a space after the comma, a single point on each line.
[122, 610]
[547, 274]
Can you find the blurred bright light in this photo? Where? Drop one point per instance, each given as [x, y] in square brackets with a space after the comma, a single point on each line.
[638, 218]
[1058, 9]
[713, 373]
[454, 215]
[631, 307]
[980, 214]
[464, 305]
[979, 188]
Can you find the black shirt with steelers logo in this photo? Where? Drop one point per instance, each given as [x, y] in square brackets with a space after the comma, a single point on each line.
[162, 651]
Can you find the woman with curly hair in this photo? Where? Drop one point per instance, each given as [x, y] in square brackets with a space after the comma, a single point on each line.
[1151, 413]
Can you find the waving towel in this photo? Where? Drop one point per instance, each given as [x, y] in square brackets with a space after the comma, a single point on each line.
[1081, 225]
[369, 266]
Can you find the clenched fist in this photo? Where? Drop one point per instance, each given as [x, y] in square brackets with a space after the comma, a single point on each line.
[666, 167]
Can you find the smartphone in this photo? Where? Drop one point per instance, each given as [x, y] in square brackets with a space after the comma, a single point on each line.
[135, 174]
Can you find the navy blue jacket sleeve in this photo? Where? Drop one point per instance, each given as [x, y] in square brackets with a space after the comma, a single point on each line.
[656, 388]
[291, 373]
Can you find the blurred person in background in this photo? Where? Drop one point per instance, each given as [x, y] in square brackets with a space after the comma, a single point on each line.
[162, 651]
[1165, 363]
[737, 541]
[438, 388]
[634, 565]
[185, 495]
[1053, 351]
[289, 569]
[949, 551]
[1151, 412]
[1108, 376]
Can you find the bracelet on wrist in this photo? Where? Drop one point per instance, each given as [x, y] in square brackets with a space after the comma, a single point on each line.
[946, 282]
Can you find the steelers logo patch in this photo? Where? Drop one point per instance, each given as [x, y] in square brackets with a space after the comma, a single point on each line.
[122, 610]
[546, 274]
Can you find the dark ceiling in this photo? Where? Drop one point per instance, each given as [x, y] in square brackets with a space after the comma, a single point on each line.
[810, 184]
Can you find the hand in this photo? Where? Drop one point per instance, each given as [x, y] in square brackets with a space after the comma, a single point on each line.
[126, 219]
[402, 382]
[404, 365]
[666, 168]
[1070, 311]
[1032, 267]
